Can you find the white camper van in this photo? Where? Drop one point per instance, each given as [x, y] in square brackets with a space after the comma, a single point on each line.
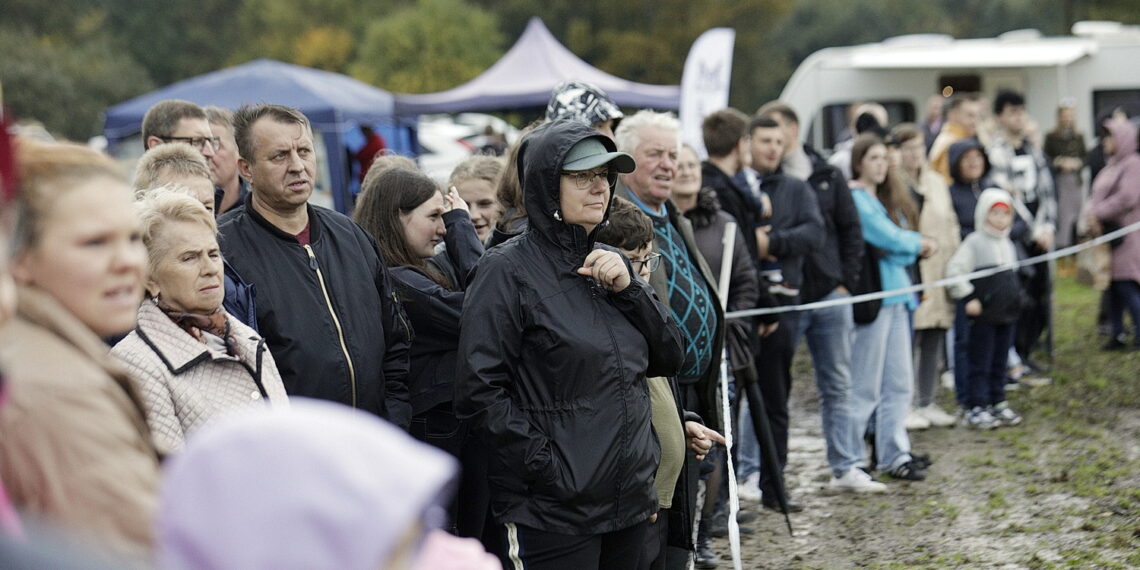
[1098, 68]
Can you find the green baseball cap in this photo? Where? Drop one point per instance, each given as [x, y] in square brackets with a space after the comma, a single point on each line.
[590, 153]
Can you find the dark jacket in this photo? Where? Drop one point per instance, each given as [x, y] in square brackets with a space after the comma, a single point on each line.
[434, 313]
[328, 311]
[797, 228]
[840, 259]
[964, 194]
[708, 384]
[736, 200]
[240, 298]
[554, 367]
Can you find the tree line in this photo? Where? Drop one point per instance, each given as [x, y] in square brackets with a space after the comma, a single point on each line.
[62, 62]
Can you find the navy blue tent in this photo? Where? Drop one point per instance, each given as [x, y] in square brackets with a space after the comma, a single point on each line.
[334, 104]
[525, 76]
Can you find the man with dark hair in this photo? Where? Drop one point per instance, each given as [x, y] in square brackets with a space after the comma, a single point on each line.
[325, 302]
[175, 120]
[828, 274]
[229, 188]
[795, 231]
[1020, 168]
[961, 122]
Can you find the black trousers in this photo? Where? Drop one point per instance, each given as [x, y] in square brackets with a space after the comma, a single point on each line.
[470, 509]
[774, 372]
[527, 548]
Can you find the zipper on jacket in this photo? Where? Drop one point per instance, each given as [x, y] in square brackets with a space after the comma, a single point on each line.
[400, 315]
[623, 465]
[336, 321]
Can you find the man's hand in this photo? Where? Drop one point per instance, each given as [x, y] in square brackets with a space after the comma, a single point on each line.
[607, 268]
[765, 330]
[701, 438]
[762, 240]
[973, 308]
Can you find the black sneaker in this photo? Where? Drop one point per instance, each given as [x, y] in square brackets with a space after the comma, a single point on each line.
[1115, 343]
[922, 461]
[706, 559]
[793, 507]
[909, 471]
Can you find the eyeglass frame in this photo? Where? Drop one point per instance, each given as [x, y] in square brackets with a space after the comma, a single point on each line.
[652, 261]
[589, 176]
[215, 142]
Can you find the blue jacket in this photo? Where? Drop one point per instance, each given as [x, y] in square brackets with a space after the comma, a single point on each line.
[899, 247]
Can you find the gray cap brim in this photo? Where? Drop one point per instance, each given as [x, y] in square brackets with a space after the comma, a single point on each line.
[590, 153]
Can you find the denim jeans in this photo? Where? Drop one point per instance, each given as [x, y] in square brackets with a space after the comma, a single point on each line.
[1125, 295]
[830, 332]
[747, 446]
[882, 381]
[989, 350]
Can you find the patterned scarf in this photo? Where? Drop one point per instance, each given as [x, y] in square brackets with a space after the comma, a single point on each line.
[214, 323]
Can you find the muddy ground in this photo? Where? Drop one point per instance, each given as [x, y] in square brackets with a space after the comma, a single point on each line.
[1061, 490]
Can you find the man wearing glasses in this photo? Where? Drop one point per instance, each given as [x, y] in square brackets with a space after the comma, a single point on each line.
[175, 120]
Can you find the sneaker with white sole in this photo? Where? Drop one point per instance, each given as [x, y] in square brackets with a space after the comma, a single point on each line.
[856, 481]
[981, 418]
[749, 488]
[937, 416]
[915, 421]
[1004, 414]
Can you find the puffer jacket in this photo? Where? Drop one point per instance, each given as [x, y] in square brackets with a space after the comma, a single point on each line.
[554, 368]
[327, 310]
[964, 193]
[1000, 294]
[1116, 198]
[185, 385]
[75, 449]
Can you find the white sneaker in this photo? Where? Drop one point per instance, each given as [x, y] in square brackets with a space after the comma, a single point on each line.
[937, 416]
[856, 481]
[749, 488]
[948, 380]
[915, 420]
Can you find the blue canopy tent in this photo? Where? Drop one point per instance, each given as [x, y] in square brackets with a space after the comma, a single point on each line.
[526, 74]
[335, 105]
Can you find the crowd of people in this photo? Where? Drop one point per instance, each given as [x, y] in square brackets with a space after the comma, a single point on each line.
[521, 369]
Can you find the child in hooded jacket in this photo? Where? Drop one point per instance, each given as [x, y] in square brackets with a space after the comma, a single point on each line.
[991, 304]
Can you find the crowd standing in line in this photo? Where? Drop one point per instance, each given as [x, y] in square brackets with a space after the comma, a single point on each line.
[551, 321]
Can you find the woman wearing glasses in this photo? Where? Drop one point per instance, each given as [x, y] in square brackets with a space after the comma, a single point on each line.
[558, 338]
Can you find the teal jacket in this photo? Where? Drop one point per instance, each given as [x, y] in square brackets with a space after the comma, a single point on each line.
[899, 247]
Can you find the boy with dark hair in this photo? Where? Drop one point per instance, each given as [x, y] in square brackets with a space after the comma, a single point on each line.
[631, 231]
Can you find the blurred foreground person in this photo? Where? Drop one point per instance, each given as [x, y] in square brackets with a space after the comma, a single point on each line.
[316, 486]
[75, 450]
[558, 338]
[191, 359]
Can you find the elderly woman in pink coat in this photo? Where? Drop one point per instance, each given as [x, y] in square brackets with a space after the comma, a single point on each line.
[1115, 202]
[190, 359]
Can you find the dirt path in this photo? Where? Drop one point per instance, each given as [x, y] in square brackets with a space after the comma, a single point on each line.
[1052, 492]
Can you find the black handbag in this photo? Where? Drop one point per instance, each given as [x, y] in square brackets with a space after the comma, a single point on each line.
[869, 282]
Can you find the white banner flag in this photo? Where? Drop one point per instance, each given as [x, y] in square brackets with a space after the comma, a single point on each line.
[704, 84]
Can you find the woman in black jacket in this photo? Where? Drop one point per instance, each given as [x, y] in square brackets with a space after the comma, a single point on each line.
[557, 339]
[408, 216]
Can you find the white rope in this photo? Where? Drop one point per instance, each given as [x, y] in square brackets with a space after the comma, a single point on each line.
[1047, 257]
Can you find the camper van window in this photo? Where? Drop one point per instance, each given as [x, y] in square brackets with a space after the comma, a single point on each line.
[1108, 100]
[836, 121]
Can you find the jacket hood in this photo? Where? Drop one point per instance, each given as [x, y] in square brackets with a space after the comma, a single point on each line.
[540, 173]
[1124, 135]
[318, 486]
[988, 198]
[958, 149]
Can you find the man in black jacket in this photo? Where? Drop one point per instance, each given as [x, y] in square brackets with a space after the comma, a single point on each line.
[829, 272]
[325, 302]
[795, 231]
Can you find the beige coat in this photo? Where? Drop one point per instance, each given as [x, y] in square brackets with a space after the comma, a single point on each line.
[938, 222]
[185, 383]
[74, 445]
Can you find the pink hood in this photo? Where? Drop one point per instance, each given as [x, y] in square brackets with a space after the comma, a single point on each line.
[1124, 135]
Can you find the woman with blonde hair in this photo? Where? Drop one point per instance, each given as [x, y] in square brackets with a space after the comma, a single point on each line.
[191, 360]
[75, 450]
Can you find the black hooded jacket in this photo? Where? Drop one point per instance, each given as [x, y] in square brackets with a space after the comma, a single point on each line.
[554, 366]
[328, 311]
[964, 193]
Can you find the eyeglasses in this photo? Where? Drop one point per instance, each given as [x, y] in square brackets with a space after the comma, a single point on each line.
[585, 178]
[197, 142]
[651, 261]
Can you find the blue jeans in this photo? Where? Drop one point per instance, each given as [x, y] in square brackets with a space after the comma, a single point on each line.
[747, 446]
[1125, 295]
[829, 333]
[989, 352]
[882, 380]
[960, 362]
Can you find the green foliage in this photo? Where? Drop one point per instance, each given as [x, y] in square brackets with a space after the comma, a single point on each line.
[429, 46]
[66, 87]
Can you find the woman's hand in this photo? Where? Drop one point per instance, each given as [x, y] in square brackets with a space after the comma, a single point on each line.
[701, 438]
[607, 268]
[973, 308]
[455, 201]
[928, 248]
